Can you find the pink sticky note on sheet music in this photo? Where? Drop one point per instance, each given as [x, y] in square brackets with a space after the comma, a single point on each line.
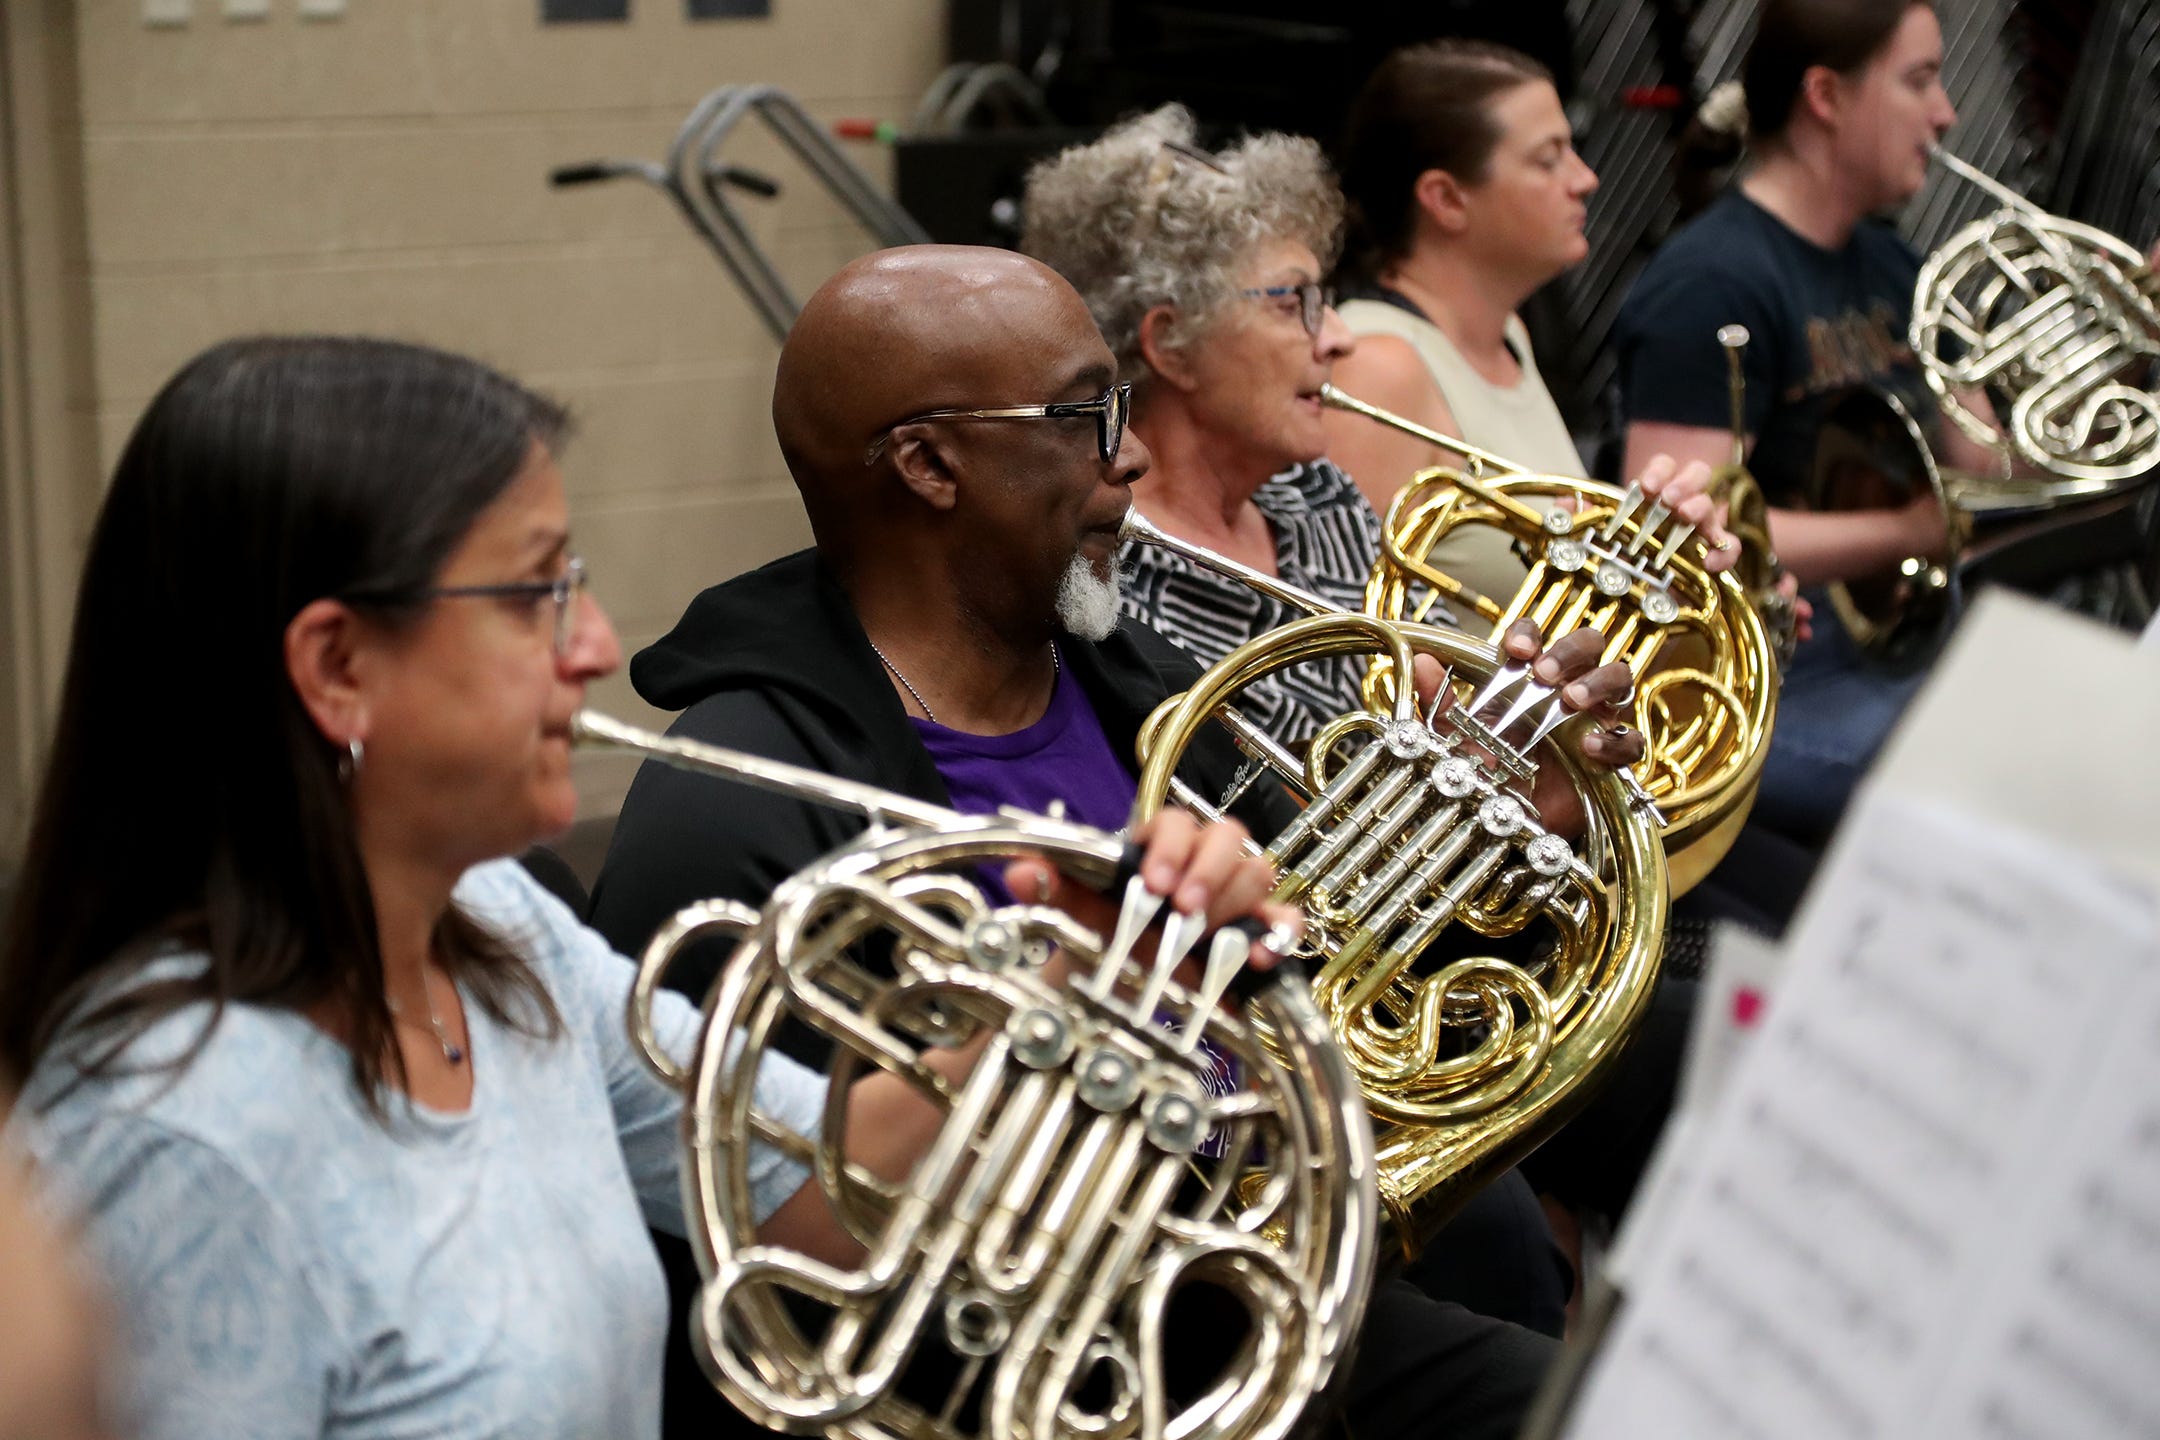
[1747, 1006]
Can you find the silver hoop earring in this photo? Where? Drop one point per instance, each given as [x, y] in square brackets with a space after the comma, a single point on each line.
[349, 762]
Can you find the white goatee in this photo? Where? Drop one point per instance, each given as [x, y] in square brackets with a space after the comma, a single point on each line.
[1087, 603]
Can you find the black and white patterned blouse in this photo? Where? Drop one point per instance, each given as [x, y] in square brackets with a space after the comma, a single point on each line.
[1326, 539]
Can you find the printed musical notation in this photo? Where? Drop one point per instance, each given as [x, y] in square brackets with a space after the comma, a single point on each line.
[1928, 1201]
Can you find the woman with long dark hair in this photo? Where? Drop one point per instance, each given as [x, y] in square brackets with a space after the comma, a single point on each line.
[345, 1100]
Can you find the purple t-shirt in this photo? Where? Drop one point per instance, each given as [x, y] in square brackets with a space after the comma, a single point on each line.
[1062, 757]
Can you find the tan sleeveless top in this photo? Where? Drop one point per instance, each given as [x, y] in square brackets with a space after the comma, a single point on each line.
[1519, 422]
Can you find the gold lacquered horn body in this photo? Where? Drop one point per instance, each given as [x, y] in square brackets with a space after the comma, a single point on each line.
[1705, 665]
[1480, 970]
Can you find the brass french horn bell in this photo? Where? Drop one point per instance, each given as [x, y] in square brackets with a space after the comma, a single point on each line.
[1706, 670]
[1479, 968]
[1870, 453]
[1123, 1136]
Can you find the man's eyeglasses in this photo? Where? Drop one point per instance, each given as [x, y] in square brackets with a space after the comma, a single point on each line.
[1110, 410]
[1314, 301]
[563, 592]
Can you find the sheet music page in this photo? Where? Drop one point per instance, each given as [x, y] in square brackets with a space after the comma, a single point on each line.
[1930, 1202]
[1733, 999]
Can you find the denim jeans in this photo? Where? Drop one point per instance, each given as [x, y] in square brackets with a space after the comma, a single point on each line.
[1835, 709]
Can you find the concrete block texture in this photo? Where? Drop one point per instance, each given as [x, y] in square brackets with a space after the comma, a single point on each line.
[386, 173]
[390, 58]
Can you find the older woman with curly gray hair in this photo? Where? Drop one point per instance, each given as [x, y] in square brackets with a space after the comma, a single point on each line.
[1146, 223]
[1203, 271]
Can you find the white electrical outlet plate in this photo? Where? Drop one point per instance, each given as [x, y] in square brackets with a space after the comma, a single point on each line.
[167, 12]
[321, 9]
[247, 9]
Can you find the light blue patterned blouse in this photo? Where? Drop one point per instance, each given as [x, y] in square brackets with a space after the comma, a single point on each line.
[285, 1267]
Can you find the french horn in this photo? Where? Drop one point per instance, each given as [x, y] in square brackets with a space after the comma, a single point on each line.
[1479, 968]
[1705, 667]
[2056, 323]
[1871, 454]
[1123, 1143]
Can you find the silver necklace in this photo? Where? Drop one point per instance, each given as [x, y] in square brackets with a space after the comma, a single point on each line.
[1057, 667]
[451, 1050]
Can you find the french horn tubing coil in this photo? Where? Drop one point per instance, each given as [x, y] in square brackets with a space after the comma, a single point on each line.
[1124, 1144]
[1479, 967]
[1705, 666]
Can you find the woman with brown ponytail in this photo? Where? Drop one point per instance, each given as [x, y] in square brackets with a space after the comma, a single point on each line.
[1465, 195]
[1844, 103]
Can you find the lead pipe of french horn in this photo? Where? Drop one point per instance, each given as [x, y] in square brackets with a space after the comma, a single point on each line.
[1481, 461]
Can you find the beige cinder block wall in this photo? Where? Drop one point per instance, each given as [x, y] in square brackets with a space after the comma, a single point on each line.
[386, 171]
[48, 438]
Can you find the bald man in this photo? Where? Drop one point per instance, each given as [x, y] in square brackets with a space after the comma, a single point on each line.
[953, 421]
[961, 582]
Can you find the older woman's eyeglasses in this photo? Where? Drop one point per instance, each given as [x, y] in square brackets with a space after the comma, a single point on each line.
[562, 591]
[1314, 301]
[1110, 410]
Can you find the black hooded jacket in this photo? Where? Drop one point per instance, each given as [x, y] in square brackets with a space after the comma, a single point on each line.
[776, 663]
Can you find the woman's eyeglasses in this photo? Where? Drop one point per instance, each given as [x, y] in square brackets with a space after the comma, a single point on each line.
[563, 591]
[1110, 410]
[1314, 301]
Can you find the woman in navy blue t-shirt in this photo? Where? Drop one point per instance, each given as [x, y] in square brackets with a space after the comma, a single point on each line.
[1843, 106]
